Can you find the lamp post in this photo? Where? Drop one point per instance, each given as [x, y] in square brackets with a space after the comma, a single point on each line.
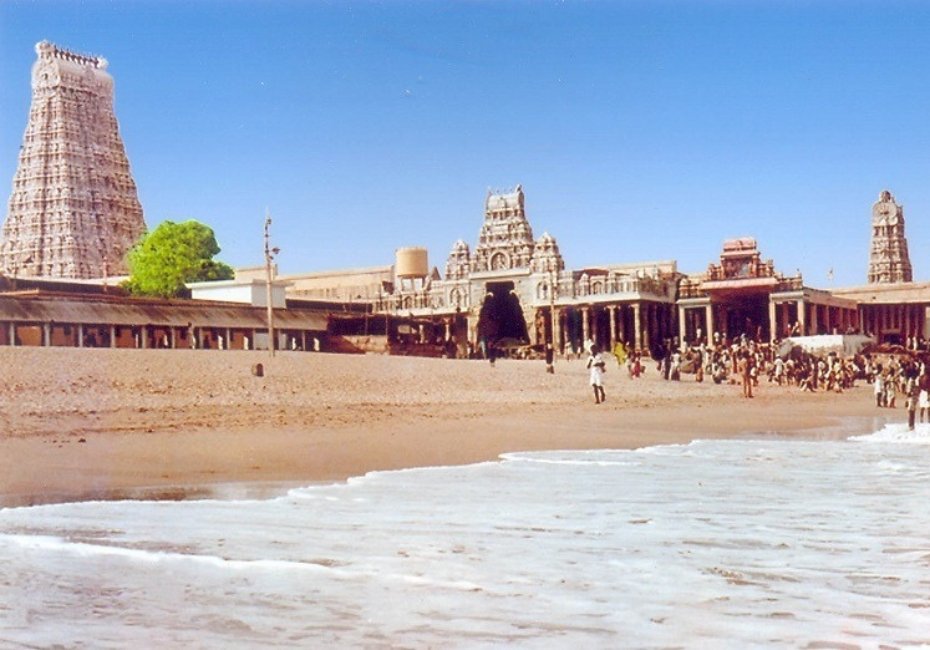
[552, 274]
[269, 256]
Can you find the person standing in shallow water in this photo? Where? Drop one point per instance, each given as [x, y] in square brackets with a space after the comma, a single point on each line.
[597, 366]
[910, 403]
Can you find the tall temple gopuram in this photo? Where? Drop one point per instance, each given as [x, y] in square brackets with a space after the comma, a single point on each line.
[888, 258]
[74, 211]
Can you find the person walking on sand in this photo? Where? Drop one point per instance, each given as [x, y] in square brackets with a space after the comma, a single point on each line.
[744, 367]
[550, 357]
[597, 367]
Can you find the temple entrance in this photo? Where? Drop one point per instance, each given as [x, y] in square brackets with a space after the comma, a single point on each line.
[749, 315]
[501, 316]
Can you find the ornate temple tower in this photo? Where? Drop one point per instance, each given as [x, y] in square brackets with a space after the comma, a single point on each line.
[73, 211]
[506, 239]
[888, 259]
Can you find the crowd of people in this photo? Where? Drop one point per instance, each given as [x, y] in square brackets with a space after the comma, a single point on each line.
[745, 362]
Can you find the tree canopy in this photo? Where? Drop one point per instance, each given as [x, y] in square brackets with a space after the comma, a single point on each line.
[173, 254]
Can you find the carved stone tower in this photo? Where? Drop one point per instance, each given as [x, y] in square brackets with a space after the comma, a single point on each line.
[73, 211]
[506, 239]
[888, 259]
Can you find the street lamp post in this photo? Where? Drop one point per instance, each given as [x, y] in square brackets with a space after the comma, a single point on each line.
[552, 274]
[269, 256]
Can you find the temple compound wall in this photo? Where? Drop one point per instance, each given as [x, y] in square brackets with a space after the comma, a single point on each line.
[73, 211]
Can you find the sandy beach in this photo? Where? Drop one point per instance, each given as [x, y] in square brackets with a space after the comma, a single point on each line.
[100, 423]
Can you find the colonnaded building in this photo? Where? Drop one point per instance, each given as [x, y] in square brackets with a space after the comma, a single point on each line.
[74, 212]
[515, 286]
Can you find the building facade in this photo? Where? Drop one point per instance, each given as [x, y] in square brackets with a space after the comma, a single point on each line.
[514, 287]
[743, 296]
[74, 210]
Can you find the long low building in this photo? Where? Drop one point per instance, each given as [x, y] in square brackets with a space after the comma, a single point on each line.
[82, 317]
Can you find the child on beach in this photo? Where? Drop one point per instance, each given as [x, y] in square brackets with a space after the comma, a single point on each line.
[597, 366]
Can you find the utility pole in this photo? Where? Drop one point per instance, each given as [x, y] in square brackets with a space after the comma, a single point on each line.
[269, 256]
[552, 288]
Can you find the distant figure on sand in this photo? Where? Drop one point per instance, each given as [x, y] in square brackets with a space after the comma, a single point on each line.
[597, 366]
[744, 367]
[550, 357]
[620, 353]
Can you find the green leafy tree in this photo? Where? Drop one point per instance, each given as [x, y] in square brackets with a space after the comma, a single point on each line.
[171, 255]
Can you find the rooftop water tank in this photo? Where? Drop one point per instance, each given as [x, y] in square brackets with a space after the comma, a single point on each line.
[411, 262]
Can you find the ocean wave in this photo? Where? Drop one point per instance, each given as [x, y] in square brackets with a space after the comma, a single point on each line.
[898, 432]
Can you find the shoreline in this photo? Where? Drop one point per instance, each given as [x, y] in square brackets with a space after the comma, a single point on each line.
[183, 424]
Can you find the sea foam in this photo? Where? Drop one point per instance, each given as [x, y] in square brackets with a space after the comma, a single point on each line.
[748, 543]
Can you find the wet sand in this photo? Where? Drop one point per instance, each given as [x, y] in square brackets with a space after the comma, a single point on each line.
[99, 423]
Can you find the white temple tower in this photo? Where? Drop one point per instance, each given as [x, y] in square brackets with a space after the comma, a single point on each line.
[74, 211]
[888, 258]
[506, 239]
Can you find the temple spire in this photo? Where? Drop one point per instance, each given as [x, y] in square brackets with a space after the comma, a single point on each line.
[888, 260]
[73, 211]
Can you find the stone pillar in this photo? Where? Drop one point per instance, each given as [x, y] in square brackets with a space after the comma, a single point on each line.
[637, 327]
[595, 330]
[12, 333]
[647, 327]
[682, 328]
[112, 336]
[144, 337]
[709, 323]
[80, 335]
[907, 322]
[448, 329]
[46, 334]
[554, 327]
[773, 321]
[585, 325]
[621, 324]
[802, 318]
[613, 326]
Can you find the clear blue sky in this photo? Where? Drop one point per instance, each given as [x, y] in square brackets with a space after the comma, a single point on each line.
[639, 130]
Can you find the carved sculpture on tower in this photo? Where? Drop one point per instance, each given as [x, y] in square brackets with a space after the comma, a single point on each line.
[506, 239]
[888, 259]
[73, 211]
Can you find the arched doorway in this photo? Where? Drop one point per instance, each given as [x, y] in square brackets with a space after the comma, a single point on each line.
[501, 316]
